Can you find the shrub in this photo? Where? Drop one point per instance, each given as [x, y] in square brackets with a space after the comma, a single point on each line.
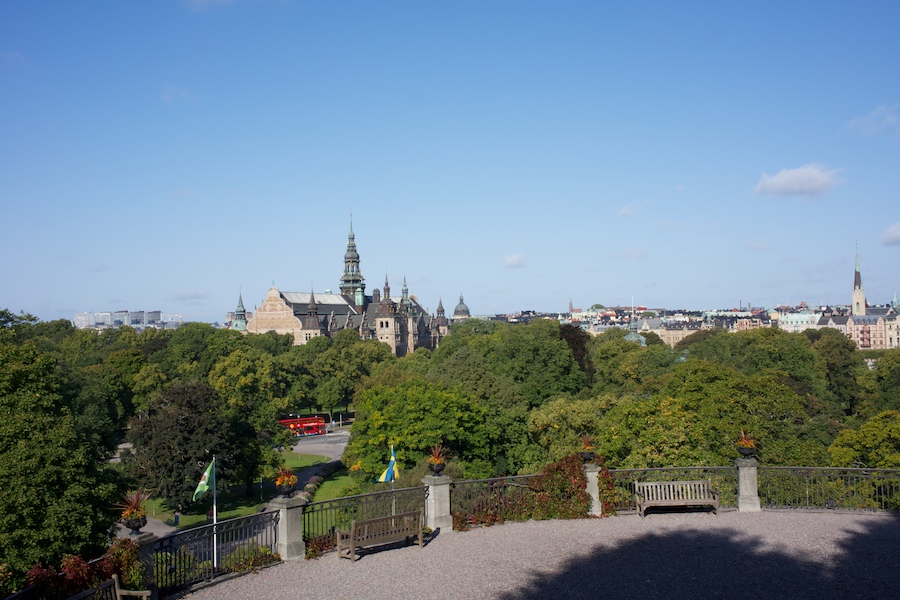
[559, 492]
[319, 545]
[249, 558]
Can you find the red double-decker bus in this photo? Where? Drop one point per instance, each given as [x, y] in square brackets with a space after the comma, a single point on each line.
[305, 425]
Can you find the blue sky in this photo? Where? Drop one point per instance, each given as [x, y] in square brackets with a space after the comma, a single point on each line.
[166, 155]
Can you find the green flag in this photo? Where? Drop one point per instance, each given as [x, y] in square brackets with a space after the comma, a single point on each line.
[208, 479]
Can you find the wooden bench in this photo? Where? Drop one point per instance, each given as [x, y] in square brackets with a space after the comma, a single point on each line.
[110, 590]
[382, 530]
[675, 493]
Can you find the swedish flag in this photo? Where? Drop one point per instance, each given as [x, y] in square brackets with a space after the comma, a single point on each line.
[392, 472]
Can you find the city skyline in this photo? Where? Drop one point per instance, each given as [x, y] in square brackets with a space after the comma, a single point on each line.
[173, 155]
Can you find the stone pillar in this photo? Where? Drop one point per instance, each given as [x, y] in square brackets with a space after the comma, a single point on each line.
[145, 554]
[592, 472]
[290, 527]
[748, 489]
[437, 503]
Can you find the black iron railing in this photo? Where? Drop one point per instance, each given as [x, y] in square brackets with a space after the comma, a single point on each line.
[321, 519]
[723, 479]
[490, 500]
[824, 487]
[205, 552]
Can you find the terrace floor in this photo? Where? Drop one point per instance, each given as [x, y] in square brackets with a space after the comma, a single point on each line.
[772, 554]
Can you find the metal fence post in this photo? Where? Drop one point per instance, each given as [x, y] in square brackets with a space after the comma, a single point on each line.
[437, 503]
[290, 527]
[748, 487]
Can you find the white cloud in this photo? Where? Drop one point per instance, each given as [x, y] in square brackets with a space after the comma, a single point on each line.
[757, 246]
[514, 261]
[882, 120]
[171, 93]
[891, 235]
[626, 211]
[808, 180]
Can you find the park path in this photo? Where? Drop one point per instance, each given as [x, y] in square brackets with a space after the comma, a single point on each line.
[772, 554]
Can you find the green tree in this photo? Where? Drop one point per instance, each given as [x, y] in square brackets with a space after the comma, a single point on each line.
[578, 340]
[340, 368]
[58, 492]
[887, 378]
[696, 417]
[876, 444]
[414, 414]
[842, 367]
[177, 438]
[557, 428]
[252, 398]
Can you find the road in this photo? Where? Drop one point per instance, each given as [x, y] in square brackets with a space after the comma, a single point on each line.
[330, 445]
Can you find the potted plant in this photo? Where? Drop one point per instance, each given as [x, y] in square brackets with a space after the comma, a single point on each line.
[285, 480]
[587, 448]
[134, 515]
[746, 445]
[437, 459]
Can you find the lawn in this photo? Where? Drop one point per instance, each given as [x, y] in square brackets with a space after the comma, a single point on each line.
[333, 486]
[233, 502]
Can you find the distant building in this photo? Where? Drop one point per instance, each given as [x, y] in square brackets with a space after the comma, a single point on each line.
[871, 327]
[401, 321]
[461, 312]
[138, 319]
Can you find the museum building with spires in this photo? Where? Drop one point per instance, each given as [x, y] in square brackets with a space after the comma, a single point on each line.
[401, 321]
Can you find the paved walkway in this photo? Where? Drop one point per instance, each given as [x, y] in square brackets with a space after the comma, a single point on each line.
[773, 554]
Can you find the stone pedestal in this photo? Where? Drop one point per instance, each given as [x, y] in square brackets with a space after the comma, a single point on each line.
[437, 504]
[592, 472]
[748, 488]
[145, 555]
[290, 527]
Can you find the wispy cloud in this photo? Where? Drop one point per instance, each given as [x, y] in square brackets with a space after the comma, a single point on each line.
[631, 254]
[12, 59]
[173, 93]
[191, 297]
[757, 246]
[98, 269]
[808, 180]
[627, 211]
[201, 5]
[883, 120]
[891, 235]
[514, 261]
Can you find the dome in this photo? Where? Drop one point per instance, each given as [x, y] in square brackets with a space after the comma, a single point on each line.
[461, 309]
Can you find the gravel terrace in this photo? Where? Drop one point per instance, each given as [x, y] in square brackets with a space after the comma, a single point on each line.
[773, 554]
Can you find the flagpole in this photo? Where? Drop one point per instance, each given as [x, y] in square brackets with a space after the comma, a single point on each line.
[215, 519]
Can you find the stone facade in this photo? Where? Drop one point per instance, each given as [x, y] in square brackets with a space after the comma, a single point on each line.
[399, 321]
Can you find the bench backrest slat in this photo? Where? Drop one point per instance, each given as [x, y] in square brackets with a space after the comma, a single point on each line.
[673, 490]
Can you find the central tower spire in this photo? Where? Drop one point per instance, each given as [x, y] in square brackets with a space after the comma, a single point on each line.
[352, 280]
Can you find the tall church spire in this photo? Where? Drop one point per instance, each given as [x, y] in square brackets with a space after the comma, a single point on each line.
[858, 296]
[352, 280]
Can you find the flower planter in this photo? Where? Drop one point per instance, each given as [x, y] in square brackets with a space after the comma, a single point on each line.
[436, 468]
[135, 524]
[746, 452]
[586, 456]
